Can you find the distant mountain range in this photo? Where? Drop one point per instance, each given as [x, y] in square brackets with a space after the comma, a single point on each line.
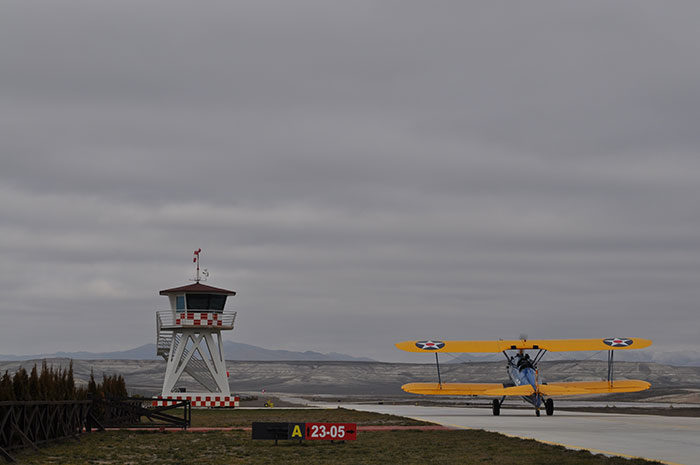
[232, 351]
[247, 352]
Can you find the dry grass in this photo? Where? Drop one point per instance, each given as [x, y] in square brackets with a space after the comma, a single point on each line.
[234, 417]
[374, 447]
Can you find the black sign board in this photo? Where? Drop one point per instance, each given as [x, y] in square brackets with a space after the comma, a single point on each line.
[266, 430]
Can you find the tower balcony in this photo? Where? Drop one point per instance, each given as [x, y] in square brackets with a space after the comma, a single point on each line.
[192, 319]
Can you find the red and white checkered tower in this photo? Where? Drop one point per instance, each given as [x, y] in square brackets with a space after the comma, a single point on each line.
[189, 339]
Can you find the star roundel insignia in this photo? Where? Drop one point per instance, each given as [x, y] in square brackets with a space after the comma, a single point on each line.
[618, 342]
[430, 345]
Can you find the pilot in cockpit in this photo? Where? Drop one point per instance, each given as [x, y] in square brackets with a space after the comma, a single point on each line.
[523, 361]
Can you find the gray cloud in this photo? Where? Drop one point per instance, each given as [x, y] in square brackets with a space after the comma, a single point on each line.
[362, 173]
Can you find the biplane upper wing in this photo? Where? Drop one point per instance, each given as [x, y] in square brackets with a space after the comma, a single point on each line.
[551, 345]
[550, 389]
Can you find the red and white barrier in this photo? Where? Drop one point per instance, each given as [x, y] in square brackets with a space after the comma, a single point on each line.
[198, 319]
[198, 400]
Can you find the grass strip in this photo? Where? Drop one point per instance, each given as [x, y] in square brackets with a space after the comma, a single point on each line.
[372, 447]
[235, 417]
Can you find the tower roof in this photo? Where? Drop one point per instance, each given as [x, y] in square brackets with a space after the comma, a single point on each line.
[197, 288]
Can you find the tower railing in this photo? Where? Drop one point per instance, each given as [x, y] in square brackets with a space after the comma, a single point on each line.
[165, 319]
[166, 322]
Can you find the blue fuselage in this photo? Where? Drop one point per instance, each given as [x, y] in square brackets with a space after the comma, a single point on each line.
[523, 377]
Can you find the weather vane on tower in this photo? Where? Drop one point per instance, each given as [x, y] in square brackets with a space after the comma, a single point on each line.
[204, 273]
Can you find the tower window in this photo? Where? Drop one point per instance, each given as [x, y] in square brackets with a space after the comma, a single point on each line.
[206, 302]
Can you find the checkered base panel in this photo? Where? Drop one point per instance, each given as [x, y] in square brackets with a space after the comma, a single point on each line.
[198, 400]
[198, 319]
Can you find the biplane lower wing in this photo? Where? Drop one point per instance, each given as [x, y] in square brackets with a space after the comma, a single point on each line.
[593, 387]
[451, 389]
[467, 389]
[551, 345]
[550, 389]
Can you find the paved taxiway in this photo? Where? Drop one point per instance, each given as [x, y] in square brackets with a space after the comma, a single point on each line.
[674, 440]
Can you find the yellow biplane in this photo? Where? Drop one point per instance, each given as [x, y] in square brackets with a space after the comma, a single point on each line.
[522, 369]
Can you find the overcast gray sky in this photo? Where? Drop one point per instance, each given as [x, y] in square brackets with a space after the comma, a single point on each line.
[361, 172]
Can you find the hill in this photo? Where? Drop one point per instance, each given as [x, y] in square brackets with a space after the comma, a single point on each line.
[232, 351]
[377, 378]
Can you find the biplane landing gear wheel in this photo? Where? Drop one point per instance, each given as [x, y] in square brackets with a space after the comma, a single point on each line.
[537, 412]
[496, 407]
[549, 407]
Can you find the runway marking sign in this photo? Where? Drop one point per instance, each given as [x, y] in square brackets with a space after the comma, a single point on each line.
[305, 431]
[331, 431]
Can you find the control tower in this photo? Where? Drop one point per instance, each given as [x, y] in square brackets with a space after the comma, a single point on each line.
[189, 339]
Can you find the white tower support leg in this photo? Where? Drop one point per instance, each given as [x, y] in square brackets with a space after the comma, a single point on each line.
[176, 349]
[203, 360]
[218, 370]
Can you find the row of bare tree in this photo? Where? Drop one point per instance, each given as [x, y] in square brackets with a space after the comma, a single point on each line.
[48, 383]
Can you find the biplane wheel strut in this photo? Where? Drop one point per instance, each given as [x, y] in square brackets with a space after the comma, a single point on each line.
[496, 405]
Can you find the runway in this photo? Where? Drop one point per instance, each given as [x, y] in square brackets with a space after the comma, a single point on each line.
[672, 440]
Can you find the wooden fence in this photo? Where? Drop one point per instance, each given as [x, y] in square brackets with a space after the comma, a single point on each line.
[134, 412]
[30, 423]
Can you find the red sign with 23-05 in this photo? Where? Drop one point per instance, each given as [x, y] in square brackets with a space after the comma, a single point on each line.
[331, 431]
